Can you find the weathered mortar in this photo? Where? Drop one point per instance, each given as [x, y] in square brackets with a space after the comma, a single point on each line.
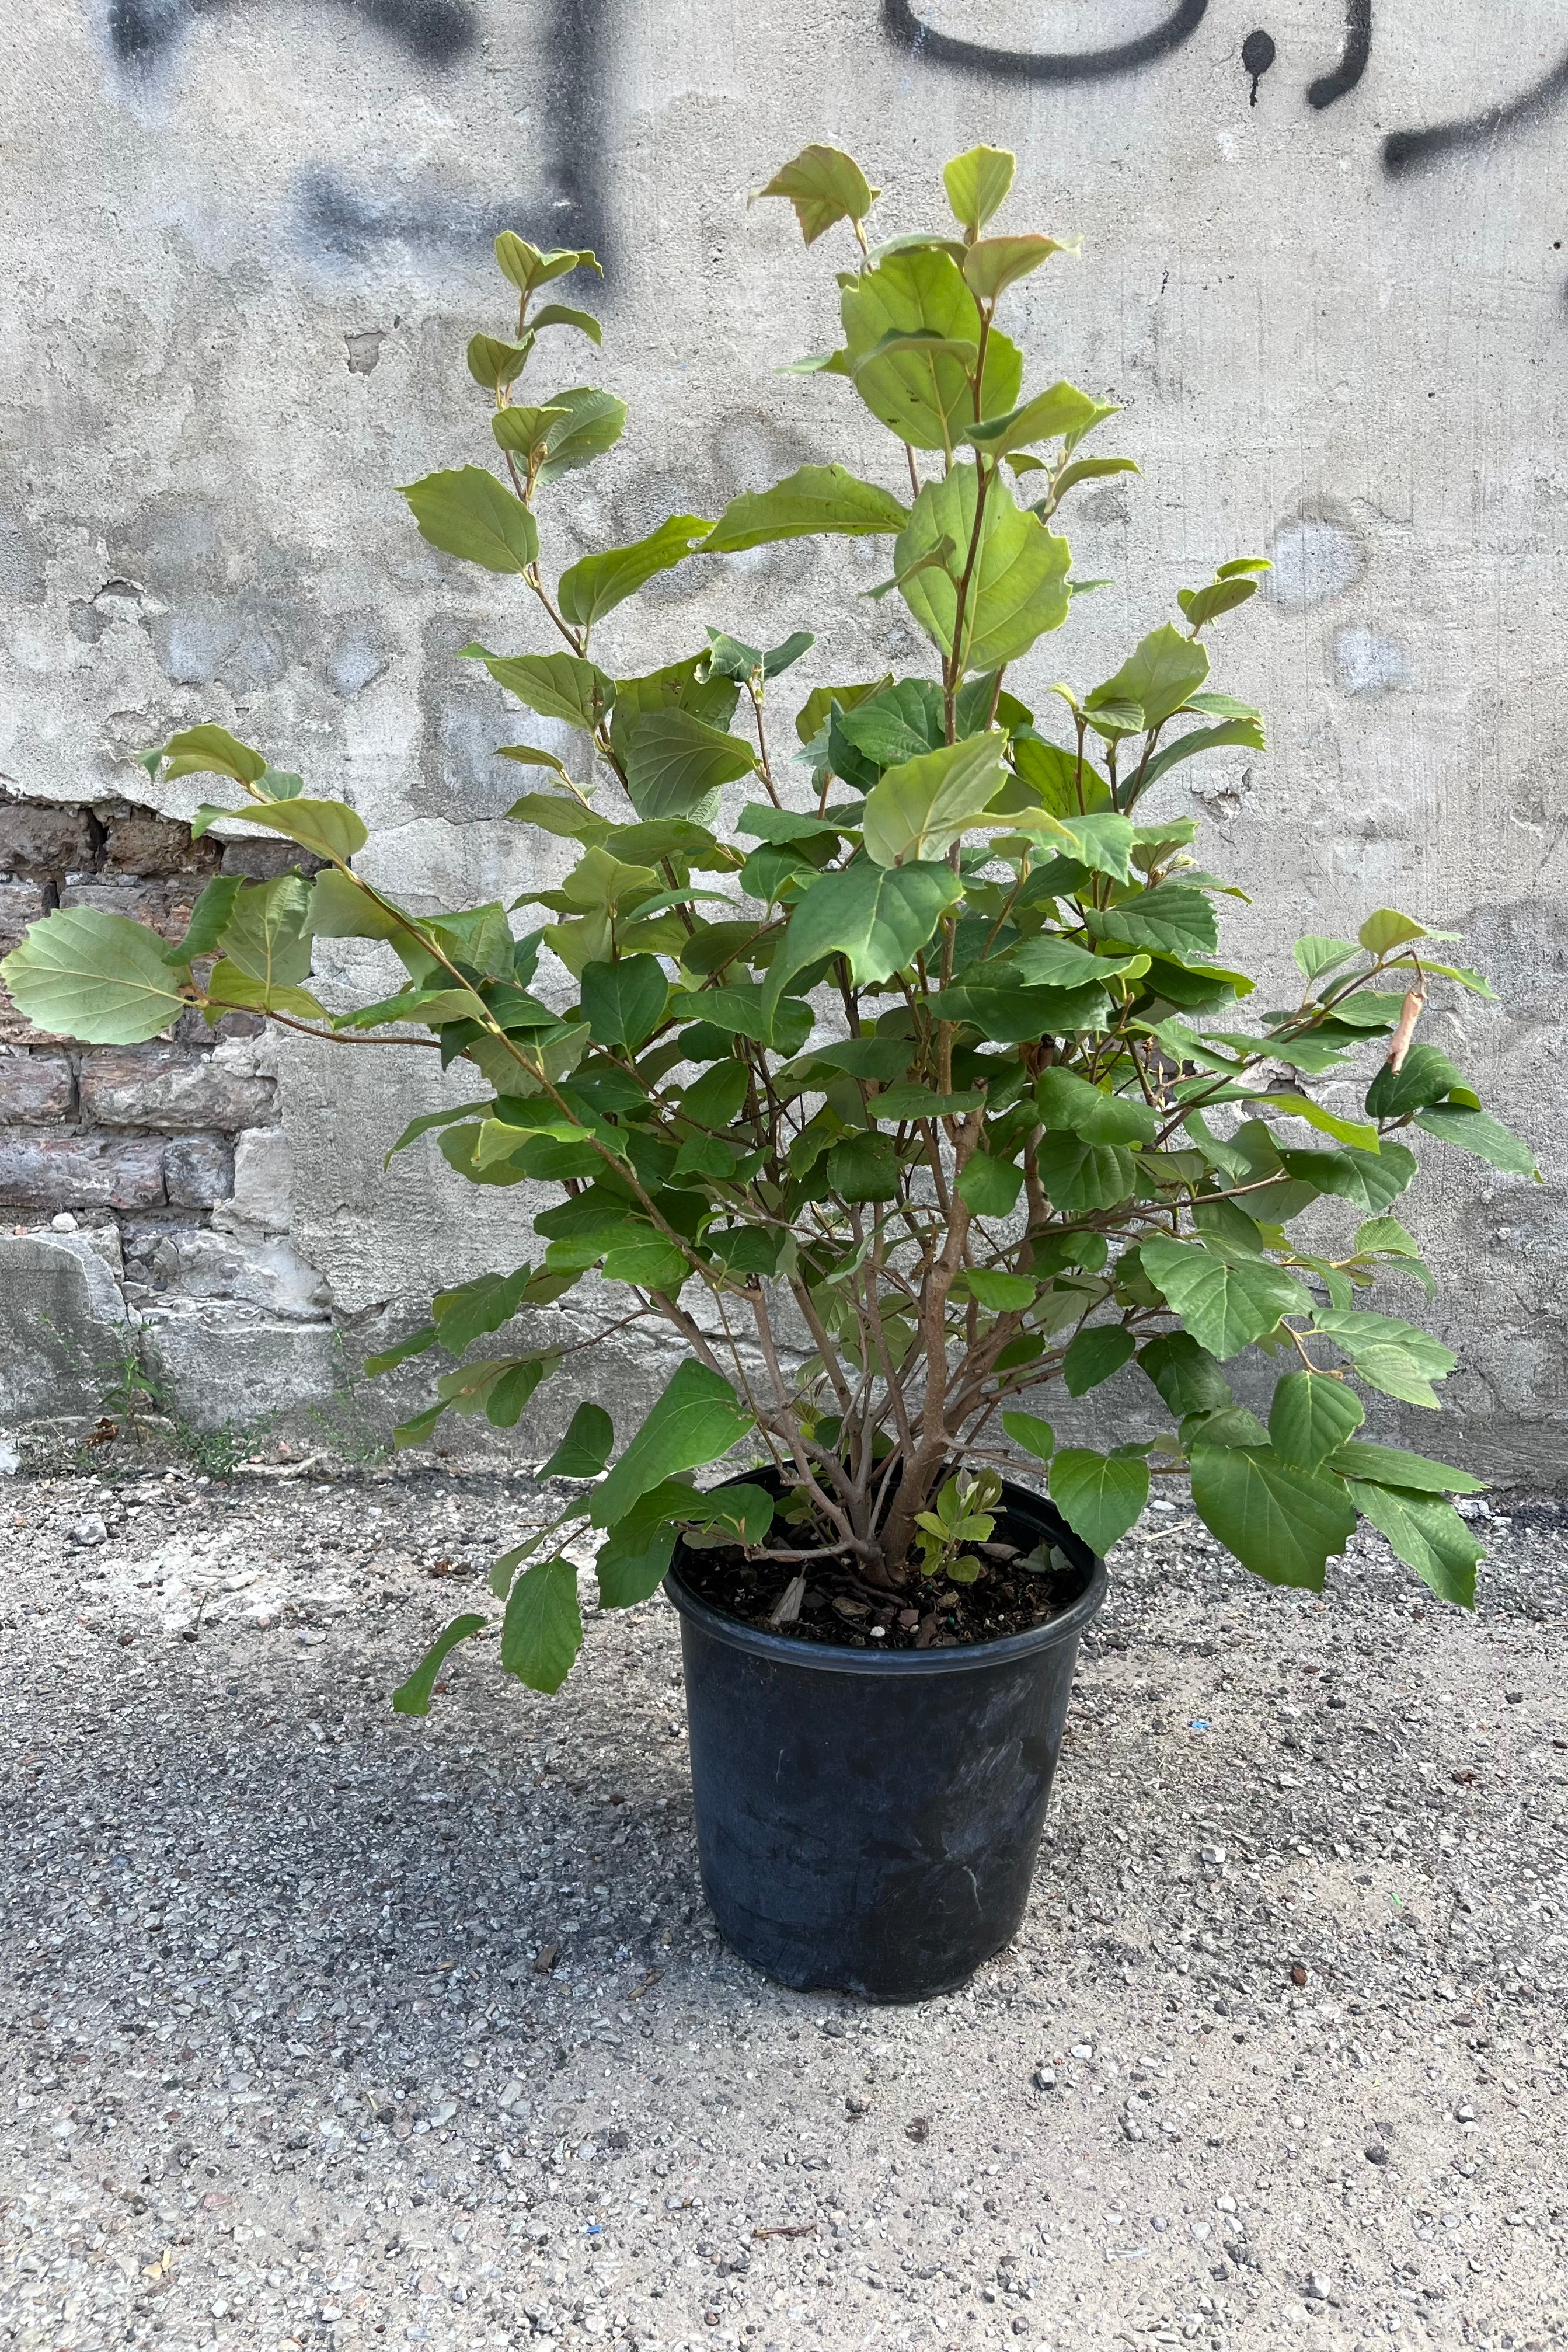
[162, 1165]
[1330, 298]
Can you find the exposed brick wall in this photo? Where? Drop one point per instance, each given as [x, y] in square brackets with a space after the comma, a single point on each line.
[136, 1139]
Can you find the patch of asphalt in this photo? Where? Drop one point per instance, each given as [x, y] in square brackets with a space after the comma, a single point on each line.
[328, 2029]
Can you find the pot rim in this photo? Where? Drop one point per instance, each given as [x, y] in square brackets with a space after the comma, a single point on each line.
[822, 1657]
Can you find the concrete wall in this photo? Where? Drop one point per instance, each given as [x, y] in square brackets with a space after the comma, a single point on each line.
[1323, 268]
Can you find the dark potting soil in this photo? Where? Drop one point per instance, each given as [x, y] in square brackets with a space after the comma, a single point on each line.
[841, 1612]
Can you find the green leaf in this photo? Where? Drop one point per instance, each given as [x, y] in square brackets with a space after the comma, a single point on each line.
[864, 1168]
[1158, 676]
[896, 725]
[1100, 1496]
[918, 809]
[1246, 733]
[1355, 1131]
[977, 183]
[740, 1512]
[528, 269]
[1080, 1177]
[919, 387]
[594, 423]
[98, 977]
[558, 685]
[493, 363]
[414, 1696]
[1315, 955]
[823, 185]
[596, 584]
[1388, 1466]
[1426, 1075]
[814, 498]
[208, 917]
[1225, 1307]
[1281, 1521]
[1396, 1374]
[1387, 1234]
[1386, 930]
[1188, 1378]
[522, 428]
[1428, 1535]
[343, 908]
[624, 1003]
[920, 293]
[633, 1559]
[206, 752]
[878, 916]
[561, 314]
[698, 1418]
[586, 1447]
[327, 829]
[267, 932]
[1063, 409]
[1312, 1415]
[467, 513]
[1104, 842]
[1049, 960]
[994, 263]
[1017, 588]
[1367, 1179]
[552, 811]
[1082, 470]
[650, 1262]
[465, 1313]
[989, 1187]
[432, 1119]
[1355, 1331]
[508, 1398]
[1035, 1435]
[416, 1343]
[1174, 919]
[1478, 1131]
[677, 766]
[1201, 605]
[999, 1293]
[542, 1630]
[1094, 1355]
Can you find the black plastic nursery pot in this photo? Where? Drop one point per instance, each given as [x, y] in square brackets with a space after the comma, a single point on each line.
[869, 1823]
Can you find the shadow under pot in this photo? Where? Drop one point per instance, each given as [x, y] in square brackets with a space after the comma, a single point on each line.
[869, 1823]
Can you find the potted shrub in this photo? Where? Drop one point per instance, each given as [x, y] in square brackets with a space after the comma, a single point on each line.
[914, 1088]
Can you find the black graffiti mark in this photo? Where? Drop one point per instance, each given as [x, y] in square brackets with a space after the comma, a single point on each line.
[576, 49]
[1352, 58]
[1407, 151]
[434, 31]
[335, 220]
[908, 31]
[1257, 54]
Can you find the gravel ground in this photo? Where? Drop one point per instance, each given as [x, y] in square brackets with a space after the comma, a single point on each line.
[328, 2029]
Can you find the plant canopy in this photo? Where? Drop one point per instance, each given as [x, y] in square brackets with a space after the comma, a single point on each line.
[919, 1084]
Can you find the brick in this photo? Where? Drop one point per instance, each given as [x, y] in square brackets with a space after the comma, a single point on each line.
[40, 840]
[263, 861]
[40, 1170]
[194, 1028]
[21, 903]
[198, 1171]
[35, 1089]
[167, 905]
[146, 845]
[164, 1086]
[263, 1173]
